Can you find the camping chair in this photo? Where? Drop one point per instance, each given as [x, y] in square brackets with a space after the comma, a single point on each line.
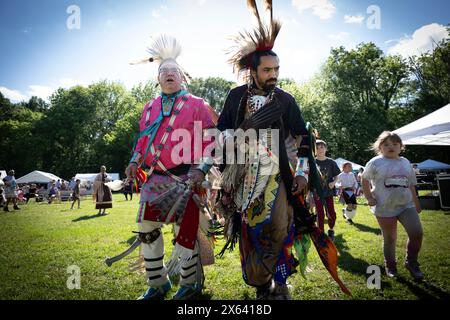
[41, 196]
[65, 195]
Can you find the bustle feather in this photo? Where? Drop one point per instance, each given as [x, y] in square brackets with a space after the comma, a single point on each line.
[261, 38]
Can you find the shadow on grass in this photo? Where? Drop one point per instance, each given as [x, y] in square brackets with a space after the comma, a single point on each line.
[423, 289]
[87, 217]
[351, 264]
[365, 228]
[346, 261]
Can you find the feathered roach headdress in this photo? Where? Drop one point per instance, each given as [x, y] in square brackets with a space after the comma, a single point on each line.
[261, 38]
[165, 49]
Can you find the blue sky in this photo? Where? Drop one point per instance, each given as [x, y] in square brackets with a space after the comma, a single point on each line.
[39, 53]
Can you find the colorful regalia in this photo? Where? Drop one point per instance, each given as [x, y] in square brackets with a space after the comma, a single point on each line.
[169, 147]
[262, 213]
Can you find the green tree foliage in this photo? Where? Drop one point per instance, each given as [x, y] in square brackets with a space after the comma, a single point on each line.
[85, 128]
[428, 90]
[143, 92]
[17, 143]
[357, 94]
[349, 99]
[213, 90]
[431, 73]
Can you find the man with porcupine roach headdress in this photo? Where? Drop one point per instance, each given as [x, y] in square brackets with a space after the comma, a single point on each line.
[173, 180]
[260, 196]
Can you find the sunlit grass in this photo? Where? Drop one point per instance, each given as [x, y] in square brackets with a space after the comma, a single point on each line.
[39, 243]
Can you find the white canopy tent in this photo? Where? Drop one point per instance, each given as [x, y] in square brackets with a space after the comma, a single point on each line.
[340, 162]
[37, 177]
[85, 177]
[433, 129]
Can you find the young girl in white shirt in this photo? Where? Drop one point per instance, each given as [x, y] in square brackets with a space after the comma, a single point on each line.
[393, 198]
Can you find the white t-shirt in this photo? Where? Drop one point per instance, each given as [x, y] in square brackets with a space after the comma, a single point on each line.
[390, 179]
[347, 180]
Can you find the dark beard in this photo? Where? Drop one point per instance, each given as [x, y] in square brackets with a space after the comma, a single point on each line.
[269, 87]
[266, 88]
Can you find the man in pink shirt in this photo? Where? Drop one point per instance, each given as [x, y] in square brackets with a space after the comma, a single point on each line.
[171, 149]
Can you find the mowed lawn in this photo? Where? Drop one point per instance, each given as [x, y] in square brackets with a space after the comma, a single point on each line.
[40, 242]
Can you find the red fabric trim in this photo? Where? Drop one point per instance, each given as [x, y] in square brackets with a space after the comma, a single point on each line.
[189, 224]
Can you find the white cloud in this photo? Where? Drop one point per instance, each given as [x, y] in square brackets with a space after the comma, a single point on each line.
[42, 92]
[156, 13]
[324, 9]
[13, 95]
[301, 64]
[422, 40]
[339, 36]
[354, 19]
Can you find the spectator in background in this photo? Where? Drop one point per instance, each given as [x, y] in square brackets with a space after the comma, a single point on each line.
[102, 193]
[25, 189]
[41, 194]
[329, 172]
[128, 189]
[10, 190]
[50, 184]
[72, 183]
[359, 179]
[63, 185]
[348, 184]
[58, 184]
[32, 191]
[416, 172]
[20, 196]
[2, 195]
[52, 193]
[76, 194]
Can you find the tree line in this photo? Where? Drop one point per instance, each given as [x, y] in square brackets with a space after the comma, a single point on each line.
[356, 94]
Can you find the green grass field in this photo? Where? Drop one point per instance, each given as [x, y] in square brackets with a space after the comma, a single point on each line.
[39, 243]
